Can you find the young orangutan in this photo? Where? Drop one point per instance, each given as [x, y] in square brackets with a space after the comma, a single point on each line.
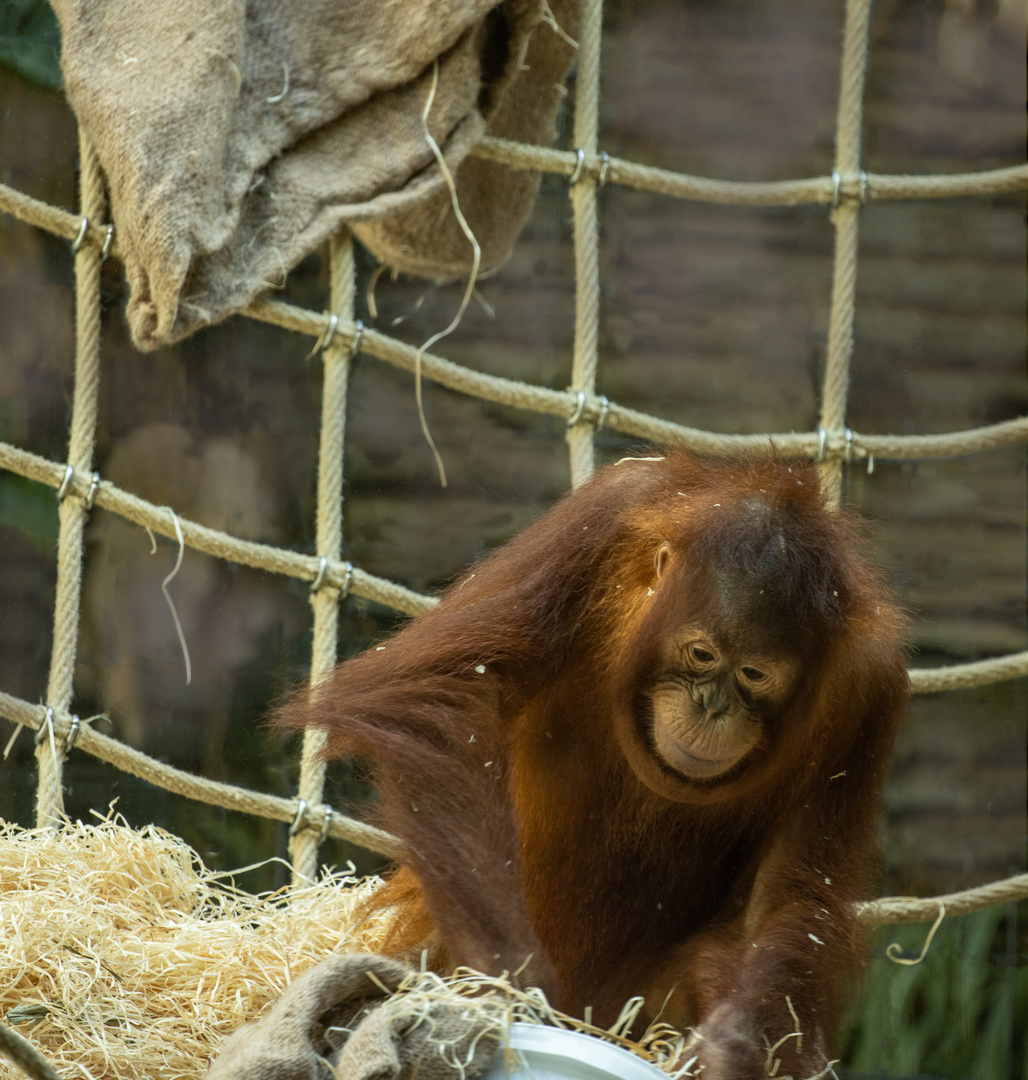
[640, 749]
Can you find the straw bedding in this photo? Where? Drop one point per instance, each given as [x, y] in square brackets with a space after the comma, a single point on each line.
[121, 956]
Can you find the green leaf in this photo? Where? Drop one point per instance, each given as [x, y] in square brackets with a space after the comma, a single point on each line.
[30, 41]
[29, 507]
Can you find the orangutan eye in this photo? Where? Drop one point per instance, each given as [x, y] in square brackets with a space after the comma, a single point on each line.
[701, 655]
[752, 674]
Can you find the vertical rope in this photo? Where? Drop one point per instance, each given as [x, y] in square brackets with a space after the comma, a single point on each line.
[303, 845]
[587, 270]
[848, 131]
[72, 510]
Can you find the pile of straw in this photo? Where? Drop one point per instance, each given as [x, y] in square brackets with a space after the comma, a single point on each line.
[122, 957]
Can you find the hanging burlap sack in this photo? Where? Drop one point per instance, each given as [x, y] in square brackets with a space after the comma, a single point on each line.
[236, 136]
[299, 1037]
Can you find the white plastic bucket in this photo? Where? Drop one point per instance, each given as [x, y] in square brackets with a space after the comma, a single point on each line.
[547, 1053]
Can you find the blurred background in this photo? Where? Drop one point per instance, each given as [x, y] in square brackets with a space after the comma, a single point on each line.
[711, 316]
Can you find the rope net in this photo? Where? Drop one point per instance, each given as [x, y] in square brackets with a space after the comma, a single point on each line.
[340, 337]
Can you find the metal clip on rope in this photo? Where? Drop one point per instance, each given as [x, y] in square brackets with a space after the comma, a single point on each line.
[865, 188]
[301, 818]
[358, 337]
[73, 733]
[326, 822]
[579, 169]
[326, 336]
[344, 591]
[46, 728]
[94, 487]
[69, 472]
[576, 416]
[320, 579]
[300, 821]
[76, 244]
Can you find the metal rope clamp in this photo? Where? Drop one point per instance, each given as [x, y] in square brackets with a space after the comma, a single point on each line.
[326, 337]
[864, 191]
[823, 449]
[579, 168]
[94, 487]
[319, 580]
[76, 244]
[46, 729]
[73, 733]
[300, 821]
[358, 337]
[578, 415]
[62, 491]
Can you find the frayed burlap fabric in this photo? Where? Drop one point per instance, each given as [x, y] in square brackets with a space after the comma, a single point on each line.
[236, 136]
[390, 1041]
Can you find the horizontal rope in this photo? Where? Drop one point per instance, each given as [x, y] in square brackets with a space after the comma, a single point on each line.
[562, 403]
[961, 676]
[198, 788]
[911, 909]
[336, 574]
[817, 190]
[895, 909]
[219, 544]
[53, 220]
[629, 421]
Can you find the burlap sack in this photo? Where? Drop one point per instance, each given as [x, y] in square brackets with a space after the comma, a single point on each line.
[236, 136]
[395, 1040]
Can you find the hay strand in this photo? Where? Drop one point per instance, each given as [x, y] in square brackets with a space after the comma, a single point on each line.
[123, 957]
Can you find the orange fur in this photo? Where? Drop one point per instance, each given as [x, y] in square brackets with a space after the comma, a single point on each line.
[512, 743]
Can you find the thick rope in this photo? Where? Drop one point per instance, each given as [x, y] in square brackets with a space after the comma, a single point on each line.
[72, 511]
[211, 792]
[963, 676]
[848, 128]
[909, 909]
[221, 545]
[619, 418]
[875, 912]
[585, 357]
[338, 574]
[303, 848]
[630, 421]
[813, 191]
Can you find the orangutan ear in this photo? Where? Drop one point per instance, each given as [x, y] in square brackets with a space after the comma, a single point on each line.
[661, 558]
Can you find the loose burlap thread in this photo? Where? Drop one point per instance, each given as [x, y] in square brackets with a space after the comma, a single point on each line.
[236, 137]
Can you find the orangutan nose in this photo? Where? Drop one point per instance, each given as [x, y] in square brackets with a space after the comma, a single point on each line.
[714, 697]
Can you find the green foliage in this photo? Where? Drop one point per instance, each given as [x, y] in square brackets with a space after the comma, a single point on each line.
[961, 1014]
[30, 508]
[30, 41]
